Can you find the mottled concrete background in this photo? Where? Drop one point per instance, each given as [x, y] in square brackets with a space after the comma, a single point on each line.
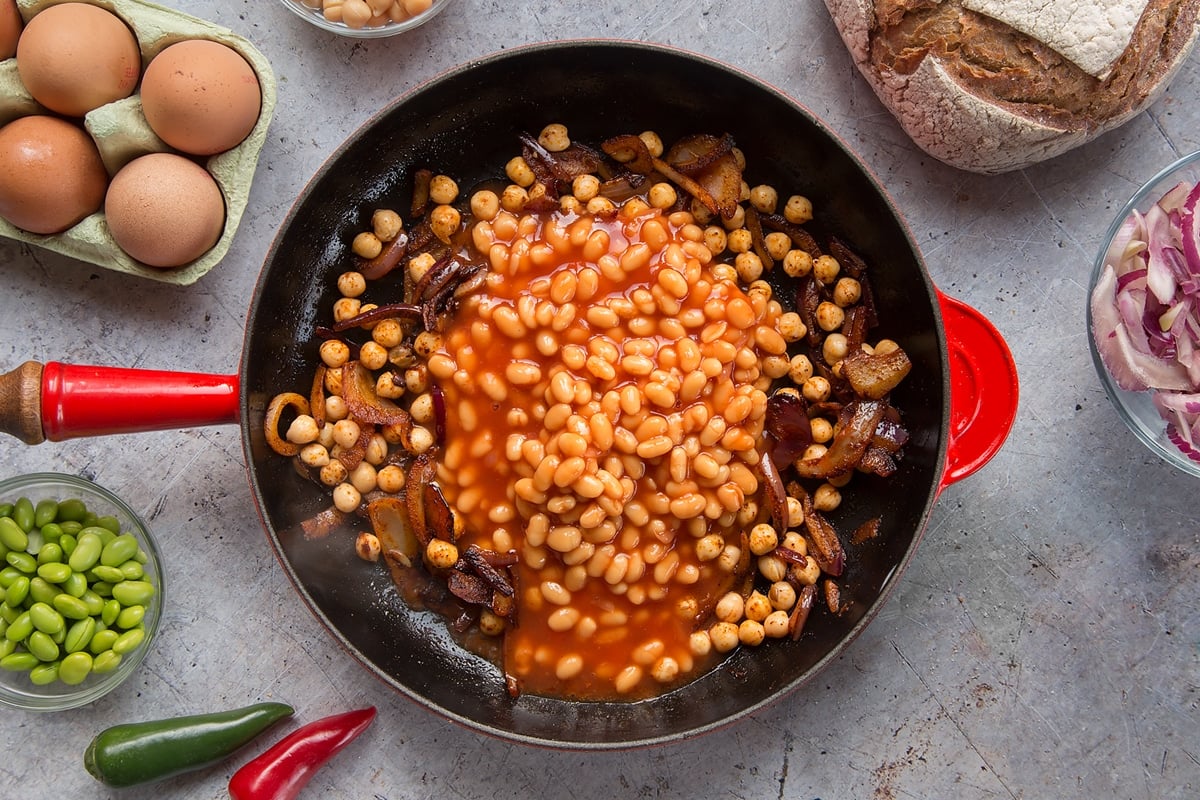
[1043, 644]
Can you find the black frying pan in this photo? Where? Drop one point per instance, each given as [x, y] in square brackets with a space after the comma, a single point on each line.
[465, 123]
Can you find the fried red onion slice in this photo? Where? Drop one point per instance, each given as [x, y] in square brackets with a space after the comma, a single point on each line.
[358, 390]
[788, 427]
[848, 444]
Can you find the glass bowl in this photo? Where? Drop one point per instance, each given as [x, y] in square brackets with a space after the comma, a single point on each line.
[1137, 408]
[315, 16]
[17, 688]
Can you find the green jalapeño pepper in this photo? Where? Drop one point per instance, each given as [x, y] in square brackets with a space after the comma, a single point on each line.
[142, 752]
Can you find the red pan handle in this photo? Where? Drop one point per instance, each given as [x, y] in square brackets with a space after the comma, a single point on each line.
[62, 401]
[983, 389]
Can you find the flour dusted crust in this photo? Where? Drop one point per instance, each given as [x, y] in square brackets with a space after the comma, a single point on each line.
[996, 85]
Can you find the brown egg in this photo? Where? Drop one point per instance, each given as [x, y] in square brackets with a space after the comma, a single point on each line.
[51, 175]
[75, 57]
[164, 210]
[10, 28]
[201, 97]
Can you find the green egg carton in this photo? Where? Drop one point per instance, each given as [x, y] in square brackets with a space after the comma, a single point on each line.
[122, 134]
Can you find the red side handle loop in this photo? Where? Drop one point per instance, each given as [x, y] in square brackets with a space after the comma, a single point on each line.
[82, 401]
[983, 389]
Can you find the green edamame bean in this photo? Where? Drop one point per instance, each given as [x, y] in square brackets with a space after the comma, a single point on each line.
[9, 613]
[11, 534]
[60, 635]
[132, 570]
[106, 662]
[70, 526]
[75, 668]
[20, 628]
[50, 553]
[133, 593]
[75, 585]
[71, 510]
[128, 641]
[142, 557]
[44, 512]
[52, 532]
[54, 572]
[44, 674]
[70, 607]
[131, 617]
[110, 612]
[6, 509]
[42, 646]
[67, 542]
[94, 602]
[106, 574]
[8, 575]
[119, 550]
[103, 588]
[110, 522]
[23, 513]
[17, 591]
[20, 661]
[86, 552]
[79, 635]
[41, 590]
[45, 618]
[102, 640]
[7, 647]
[22, 561]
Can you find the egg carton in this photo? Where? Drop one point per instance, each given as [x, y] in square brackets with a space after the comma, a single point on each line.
[122, 134]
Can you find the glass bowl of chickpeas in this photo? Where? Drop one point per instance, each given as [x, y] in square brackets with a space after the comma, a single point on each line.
[81, 591]
[367, 19]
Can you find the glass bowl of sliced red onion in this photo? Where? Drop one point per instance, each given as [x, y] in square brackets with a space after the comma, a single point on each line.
[1144, 313]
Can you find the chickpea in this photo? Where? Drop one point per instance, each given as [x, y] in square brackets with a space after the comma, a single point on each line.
[773, 568]
[798, 209]
[730, 608]
[366, 545]
[388, 333]
[585, 187]
[491, 623]
[554, 137]
[386, 224]
[797, 263]
[763, 539]
[426, 343]
[778, 244]
[847, 292]
[420, 440]
[351, 284]
[372, 355]
[826, 268]
[791, 327]
[701, 213]
[302, 430]
[346, 308]
[420, 264]
[362, 477]
[444, 221]
[816, 389]
[749, 267]
[333, 473]
[514, 198]
[777, 625]
[519, 172]
[346, 433]
[884, 346]
[758, 606]
[653, 142]
[700, 644]
[724, 636]
[751, 632]
[391, 479]
[834, 348]
[830, 316]
[709, 548]
[801, 369]
[782, 595]
[441, 554]
[739, 241]
[826, 497]
[662, 195]
[443, 190]
[346, 498]
[822, 429]
[485, 204]
[764, 198]
[796, 508]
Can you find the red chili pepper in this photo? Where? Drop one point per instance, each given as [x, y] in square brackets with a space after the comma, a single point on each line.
[288, 765]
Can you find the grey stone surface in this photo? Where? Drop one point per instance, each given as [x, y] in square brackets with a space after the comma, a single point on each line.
[1044, 643]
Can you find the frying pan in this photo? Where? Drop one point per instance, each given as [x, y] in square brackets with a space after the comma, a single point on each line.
[959, 399]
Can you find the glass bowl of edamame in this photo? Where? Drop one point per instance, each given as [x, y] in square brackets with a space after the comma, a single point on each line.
[81, 591]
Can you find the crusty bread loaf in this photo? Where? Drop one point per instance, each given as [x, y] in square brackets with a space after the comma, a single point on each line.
[996, 85]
